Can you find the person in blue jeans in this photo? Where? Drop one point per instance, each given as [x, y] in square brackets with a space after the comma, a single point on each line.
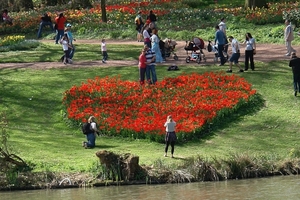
[220, 39]
[91, 136]
[46, 21]
[150, 68]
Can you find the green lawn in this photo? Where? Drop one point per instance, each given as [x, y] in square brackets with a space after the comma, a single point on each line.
[32, 101]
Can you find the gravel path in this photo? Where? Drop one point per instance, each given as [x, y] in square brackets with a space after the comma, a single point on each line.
[265, 53]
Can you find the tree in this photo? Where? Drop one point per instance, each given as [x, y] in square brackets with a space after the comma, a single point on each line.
[103, 11]
[81, 4]
[255, 3]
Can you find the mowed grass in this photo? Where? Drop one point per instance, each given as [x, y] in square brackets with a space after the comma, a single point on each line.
[32, 101]
[50, 52]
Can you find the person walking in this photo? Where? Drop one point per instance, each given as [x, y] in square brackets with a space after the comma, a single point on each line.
[71, 39]
[235, 48]
[142, 66]
[146, 35]
[152, 18]
[288, 37]
[170, 137]
[220, 41]
[104, 51]
[60, 26]
[295, 65]
[250, 50]
[92, 134]
[150, 68]
[45, 21]
[139, 26]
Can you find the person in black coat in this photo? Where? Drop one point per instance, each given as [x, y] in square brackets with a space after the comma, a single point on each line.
[295, 65]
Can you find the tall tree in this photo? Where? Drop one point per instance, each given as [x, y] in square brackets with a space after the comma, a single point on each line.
[81, 4]
[255, 3]
[16, 5]
[103, 11]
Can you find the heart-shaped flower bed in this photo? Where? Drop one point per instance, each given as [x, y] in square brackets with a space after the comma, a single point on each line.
[126, 108]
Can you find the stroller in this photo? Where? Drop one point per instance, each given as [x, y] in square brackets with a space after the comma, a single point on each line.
[196, 47]
[214, 49]
[167, 47]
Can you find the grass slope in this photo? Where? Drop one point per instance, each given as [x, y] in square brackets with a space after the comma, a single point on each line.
[32, 100]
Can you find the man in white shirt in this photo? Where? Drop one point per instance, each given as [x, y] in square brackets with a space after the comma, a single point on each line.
[235, 54]
[288, 37]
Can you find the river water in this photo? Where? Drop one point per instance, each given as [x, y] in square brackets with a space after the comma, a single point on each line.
[272, 188]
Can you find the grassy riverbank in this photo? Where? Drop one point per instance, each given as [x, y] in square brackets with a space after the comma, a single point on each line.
[32, 99]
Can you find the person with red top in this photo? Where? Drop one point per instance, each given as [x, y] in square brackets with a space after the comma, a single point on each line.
[142, 66]
[60, 26]
[6, 18]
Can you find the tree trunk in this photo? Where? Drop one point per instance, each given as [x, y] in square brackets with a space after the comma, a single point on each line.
[255, 3]
[78, 4]
[103, 11]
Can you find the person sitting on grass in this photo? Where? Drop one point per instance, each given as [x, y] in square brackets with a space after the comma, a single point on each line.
[235, 54]
[91, 136]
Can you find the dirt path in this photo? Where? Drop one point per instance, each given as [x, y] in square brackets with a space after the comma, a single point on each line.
[265, 53]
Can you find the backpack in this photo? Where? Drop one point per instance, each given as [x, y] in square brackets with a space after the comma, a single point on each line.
[137, 20]
[172, 68]
[209, 47]
[86, 128]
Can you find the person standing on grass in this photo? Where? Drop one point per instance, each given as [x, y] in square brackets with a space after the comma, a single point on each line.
[66, 48]
[142, 66]
[288, 37]
[295, 65]
[45, 21]
[150, 68]
[249, 51]
[60, 21]
[235, 54]
[170, 137]
[104, 51]
[71, 39]
[91, 136]
[220, 41]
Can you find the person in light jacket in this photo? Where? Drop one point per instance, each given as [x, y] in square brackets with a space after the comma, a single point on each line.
[170, 137]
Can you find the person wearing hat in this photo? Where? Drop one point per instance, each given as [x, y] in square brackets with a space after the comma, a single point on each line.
[71, 39]
[60, 21]
[170, 137]
[295, 65]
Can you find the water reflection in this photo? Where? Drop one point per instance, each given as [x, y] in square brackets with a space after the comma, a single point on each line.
[273, 188]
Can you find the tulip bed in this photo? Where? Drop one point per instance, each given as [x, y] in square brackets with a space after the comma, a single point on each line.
[125, 108]
[172, 15]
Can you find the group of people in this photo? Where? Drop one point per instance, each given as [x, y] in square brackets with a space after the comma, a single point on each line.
[223, 42]
[93, 131]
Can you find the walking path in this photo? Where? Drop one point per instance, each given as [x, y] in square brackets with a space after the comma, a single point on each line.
[265, 53]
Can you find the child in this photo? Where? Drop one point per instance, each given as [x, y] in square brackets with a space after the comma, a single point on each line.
[170, 135]
[65, 44]
[104, 52]
[142, 66]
